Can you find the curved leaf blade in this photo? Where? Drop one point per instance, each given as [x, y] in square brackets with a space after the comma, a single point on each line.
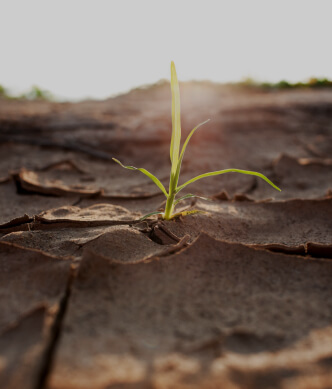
[176, 120]
[188, 196]
[227, 171]
[144, 171]
[151, 214]
[185, 213]
[178, 168]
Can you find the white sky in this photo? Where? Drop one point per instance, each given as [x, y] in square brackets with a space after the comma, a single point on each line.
[86, 48]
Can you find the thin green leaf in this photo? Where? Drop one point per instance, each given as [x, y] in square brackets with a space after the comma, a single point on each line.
[185, 213]
[178, 168]
[192, 212]
[227, 171]
[144, 171]
[150, 214]
[188, 196]
[176, 120]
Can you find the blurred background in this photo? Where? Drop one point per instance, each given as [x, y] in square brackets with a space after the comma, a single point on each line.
[95, 49]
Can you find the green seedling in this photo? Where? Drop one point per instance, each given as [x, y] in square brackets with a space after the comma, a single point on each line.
[176, 161]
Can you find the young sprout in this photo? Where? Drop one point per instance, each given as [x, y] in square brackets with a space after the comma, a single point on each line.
[176, 161]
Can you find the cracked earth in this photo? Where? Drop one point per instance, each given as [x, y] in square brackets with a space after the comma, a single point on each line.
[236, 297]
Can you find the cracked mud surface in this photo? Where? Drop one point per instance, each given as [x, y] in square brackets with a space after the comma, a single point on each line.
[236, 297]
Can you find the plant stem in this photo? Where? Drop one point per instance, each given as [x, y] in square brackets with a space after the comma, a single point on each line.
[169, 206]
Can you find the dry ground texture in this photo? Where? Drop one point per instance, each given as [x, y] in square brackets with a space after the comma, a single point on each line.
[237, 297]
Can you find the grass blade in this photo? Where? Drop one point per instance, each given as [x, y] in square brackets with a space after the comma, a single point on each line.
[176, 120]
[185, 213]
[144, 171]
[185, 145]
[150, 214]
[227, 171]
[188, 196]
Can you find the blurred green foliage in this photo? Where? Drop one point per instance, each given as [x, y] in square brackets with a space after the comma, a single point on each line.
[3, 92]
[35, 93]
[283, 84]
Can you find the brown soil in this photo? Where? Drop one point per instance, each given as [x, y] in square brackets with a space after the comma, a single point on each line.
[236, 297]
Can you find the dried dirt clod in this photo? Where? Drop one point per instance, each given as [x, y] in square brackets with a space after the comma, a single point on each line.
[34, 182]
[116, 243]
[16, 209]
[287, 225]
[94, 213]
[46, 276]
[22, 347]
[174, 319]
[90, 180]
[127, 245]
[298, 178]
[16, 222]
[32, 285]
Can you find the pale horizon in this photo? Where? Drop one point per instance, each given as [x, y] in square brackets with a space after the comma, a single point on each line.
[84, 49]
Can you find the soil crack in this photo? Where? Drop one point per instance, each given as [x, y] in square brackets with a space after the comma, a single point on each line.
[49, 354]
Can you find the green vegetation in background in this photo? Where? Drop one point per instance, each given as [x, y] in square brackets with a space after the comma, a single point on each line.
[283, 84]
[3, 92]
[35, 93]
